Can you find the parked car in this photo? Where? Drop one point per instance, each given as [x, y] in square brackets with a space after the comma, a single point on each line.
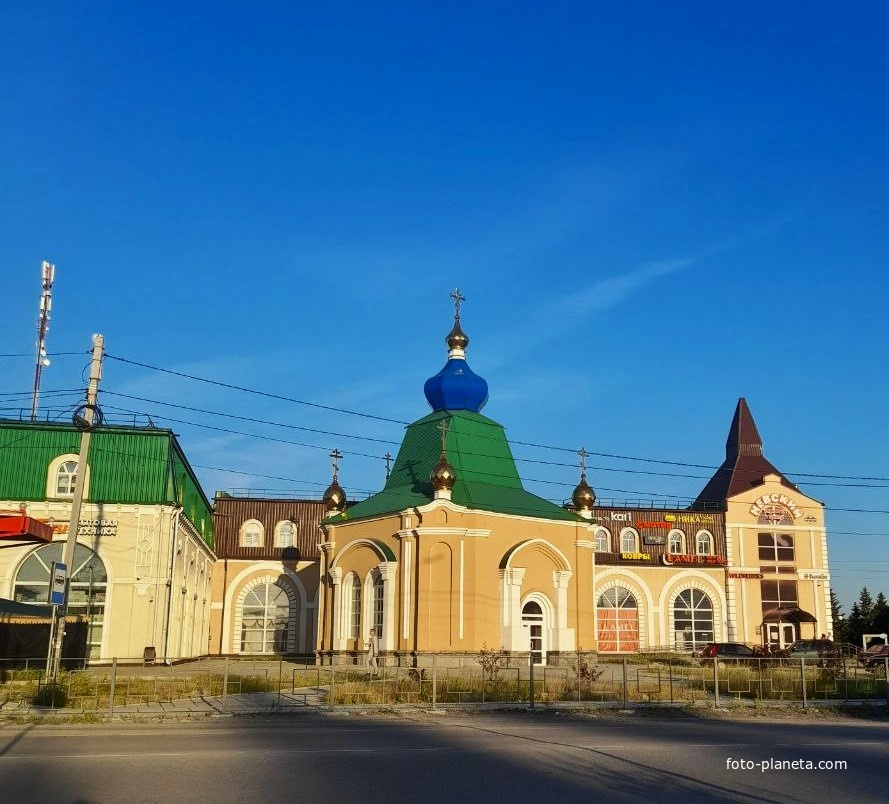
[726, 652]
[809, 649]
[874, 655]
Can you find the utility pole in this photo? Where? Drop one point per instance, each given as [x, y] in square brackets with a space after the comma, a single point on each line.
[48, 274]
[86, 418]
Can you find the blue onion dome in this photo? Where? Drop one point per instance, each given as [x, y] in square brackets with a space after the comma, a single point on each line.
[456, 386]
[583, 497]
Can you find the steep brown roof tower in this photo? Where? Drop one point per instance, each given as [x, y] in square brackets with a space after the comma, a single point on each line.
[744, 466]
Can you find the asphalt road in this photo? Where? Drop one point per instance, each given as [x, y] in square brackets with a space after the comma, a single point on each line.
[475, 758]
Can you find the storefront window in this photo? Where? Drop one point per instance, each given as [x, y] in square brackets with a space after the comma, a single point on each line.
[618, 621]
[87, 590]
[265, 619]
[692, 619]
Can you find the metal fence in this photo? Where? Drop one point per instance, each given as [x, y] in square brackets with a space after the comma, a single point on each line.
[489, 679]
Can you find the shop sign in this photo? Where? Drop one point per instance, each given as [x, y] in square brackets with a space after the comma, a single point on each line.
[757, 575]
[701, 519]
[693, 560]
[654, 538]
[645, 523]
[635, 556]
[761, 503]
[86, 527]
[97, 527]
[808, 575]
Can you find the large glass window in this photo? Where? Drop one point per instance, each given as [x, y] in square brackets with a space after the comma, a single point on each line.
[778, 594]
[265, 620]
[618, 621]
[87, 590]
[692, 619]
[775, 547]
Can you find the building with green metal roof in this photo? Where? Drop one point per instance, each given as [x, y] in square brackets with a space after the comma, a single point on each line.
[143, 558]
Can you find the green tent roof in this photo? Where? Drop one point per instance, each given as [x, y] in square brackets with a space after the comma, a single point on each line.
[487, 479]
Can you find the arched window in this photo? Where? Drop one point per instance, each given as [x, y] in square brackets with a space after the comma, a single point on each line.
[692, 619]
[66, 478]
[676, 542]
[87, 590]
[629, 541]
[532, 619]
[705, 543]
[285, 532]
[618, 621]
[252, 533]
[378, 605]
[602, 541]
[353, 585]
[265, 619]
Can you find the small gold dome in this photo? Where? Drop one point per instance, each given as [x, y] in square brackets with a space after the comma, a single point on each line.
[457, 338]
[443, 475]
[334, 498]
[583, 497]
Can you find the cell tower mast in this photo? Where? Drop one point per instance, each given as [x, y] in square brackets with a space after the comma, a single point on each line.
[48, 273]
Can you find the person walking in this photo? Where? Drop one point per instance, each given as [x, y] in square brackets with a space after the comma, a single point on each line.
[371, 663]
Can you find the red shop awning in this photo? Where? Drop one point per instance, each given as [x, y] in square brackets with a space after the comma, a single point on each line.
[23, 528]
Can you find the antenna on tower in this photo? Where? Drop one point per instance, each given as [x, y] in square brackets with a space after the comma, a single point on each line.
[48, 274]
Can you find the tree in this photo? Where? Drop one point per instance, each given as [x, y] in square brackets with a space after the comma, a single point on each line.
[880, 615]
[839, 622]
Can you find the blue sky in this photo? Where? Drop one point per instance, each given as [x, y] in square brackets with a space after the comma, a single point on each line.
[652, 211]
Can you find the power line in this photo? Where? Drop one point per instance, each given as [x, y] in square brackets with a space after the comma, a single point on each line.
[233, 387]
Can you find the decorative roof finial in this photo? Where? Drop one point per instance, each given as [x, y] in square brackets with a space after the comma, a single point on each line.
[584, 498]
[388, 459]
[334, 497]
[443, 475]
[458, 298]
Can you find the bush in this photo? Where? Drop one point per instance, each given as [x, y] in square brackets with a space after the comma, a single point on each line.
[51, 695]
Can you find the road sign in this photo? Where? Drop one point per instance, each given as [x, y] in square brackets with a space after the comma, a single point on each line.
[58, 580]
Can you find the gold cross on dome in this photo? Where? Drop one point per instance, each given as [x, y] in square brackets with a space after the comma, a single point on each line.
[583, 456]
[336, 455]
[443, 426]
[458, 298]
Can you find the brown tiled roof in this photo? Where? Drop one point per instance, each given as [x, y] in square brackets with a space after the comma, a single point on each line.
[744, 466]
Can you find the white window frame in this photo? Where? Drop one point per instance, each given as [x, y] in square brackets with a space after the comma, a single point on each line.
[708, 538]
[629, 541]
[52, 477]
[249, 528]
[680, 537]
[602, 541]
[280, 527]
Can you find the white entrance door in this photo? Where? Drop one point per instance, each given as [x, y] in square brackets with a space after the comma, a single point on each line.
[532, 619]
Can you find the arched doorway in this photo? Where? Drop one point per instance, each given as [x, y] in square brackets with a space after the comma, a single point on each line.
[533, 620]
[266, 622]
[87, 590]
[618, 621]
[692, 619]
